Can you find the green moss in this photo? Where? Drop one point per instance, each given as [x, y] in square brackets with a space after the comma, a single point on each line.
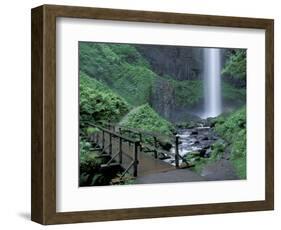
[231, 93]
[91, 130]
[129, 54]
[217, 151]
[236, 64]
[229, 127]
[134, 84]
[187, 92]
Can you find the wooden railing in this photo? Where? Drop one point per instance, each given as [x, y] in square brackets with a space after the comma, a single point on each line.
[152, 147]
[107, 150]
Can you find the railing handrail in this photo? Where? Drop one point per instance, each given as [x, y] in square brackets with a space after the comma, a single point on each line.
[138, 142]
[114, 133]
[154, 135]
[120, 152]
[137, 131]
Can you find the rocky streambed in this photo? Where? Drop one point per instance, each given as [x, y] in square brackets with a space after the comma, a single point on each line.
[195, 142]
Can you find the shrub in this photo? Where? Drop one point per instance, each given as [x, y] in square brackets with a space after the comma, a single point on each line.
[145, 118]
[236, 64]
[98, 103]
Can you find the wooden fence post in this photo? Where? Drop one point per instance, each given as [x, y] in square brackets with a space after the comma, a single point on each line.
[103, 139]
[129, 132]
[110, 143]
[155, 146]
[177, 152]
[97, 139]
[136, 159]
[140, 137]
[120, 150]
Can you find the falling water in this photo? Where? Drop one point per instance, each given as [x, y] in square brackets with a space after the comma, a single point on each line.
[212, 82]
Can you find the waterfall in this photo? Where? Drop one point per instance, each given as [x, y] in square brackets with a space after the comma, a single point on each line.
[212, 82]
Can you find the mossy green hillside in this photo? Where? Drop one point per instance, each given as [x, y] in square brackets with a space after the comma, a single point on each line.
[98, 103]
[121, 67]
[145, 118]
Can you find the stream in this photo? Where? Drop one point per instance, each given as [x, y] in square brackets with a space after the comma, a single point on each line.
[198, 139]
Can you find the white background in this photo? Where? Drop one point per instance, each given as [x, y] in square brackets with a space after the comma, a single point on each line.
[15, 113]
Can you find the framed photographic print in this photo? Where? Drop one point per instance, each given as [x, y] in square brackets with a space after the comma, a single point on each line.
[139, 114]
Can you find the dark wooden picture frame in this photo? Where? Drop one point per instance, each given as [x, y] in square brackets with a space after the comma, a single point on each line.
[43, 207]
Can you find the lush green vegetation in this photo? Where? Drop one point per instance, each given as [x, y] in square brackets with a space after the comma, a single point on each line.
[233, 94]
[233, 129]
[121, 67]
[98, 103]
[188, 92]
[235, 65]
[198, 163]
[116, 85]
[145, 118]
[91, 172]
[90, 167]
[113, 79]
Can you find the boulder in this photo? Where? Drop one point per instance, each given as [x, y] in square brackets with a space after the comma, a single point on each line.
[192, 154]
[205, 138]
[203, 152]
[196, 142]
[166, 145]
[194, 132]
[184, 165]
[208, 153]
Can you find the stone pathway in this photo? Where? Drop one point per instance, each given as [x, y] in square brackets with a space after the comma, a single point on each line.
[177, 175]
[219, 170]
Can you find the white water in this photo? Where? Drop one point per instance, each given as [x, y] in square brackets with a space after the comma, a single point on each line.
[190, 143]
[212, 83]
[186, 146]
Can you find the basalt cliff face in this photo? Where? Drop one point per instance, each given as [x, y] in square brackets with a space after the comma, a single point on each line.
[181, 64]
[172, 96]
[163, 98]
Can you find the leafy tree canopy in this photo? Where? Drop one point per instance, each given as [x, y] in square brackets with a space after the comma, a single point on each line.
[235, 65]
